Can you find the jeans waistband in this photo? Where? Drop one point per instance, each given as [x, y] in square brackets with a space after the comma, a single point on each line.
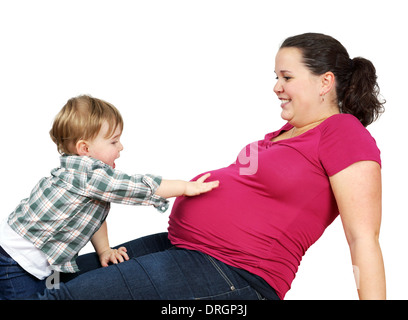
[4, 253]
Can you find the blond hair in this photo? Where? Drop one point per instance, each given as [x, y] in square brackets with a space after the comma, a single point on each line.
[81, 119]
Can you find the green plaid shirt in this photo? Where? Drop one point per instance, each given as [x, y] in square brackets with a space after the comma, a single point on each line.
[67, 208]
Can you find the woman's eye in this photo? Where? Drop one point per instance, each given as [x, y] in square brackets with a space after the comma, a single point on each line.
[286, 78]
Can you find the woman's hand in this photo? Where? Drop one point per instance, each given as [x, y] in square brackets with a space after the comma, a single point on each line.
[114, 256]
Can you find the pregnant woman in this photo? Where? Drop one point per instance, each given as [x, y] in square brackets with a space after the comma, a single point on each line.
[245, 239]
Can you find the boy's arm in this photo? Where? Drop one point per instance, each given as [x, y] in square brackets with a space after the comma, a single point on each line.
[103, 183]
[101, 244]
[106, 184]
[176, 188]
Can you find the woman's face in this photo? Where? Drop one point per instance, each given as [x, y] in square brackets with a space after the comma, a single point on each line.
[297, 88]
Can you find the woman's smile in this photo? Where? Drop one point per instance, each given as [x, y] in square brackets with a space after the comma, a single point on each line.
[285, 102]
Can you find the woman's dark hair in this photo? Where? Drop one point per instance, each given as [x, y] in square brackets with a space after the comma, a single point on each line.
[356, 80]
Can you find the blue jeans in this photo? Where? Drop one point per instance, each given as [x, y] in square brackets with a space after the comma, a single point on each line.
[156, 271]
[15, 282]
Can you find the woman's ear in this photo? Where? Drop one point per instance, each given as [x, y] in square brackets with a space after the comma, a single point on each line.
[328, 82]
[82, 148]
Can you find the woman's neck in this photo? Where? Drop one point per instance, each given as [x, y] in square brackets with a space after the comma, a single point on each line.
[297, 131]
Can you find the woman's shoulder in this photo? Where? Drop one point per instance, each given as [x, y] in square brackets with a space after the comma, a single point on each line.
[344, 133]
[342, 121]
[343, 141]
[344, 126]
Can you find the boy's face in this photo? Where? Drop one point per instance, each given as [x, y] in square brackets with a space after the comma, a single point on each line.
[106, 149]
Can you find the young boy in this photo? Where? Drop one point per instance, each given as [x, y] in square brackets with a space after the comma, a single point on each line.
[66, 210]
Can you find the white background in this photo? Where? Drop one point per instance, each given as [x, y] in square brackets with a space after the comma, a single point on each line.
[194, 82]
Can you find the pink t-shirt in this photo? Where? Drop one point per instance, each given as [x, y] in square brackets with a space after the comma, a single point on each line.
[274, 202]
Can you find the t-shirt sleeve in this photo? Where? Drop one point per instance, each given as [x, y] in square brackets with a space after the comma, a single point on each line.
[344, 141]
[107, 184]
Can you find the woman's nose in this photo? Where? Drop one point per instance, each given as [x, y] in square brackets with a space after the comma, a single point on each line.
[278, 88]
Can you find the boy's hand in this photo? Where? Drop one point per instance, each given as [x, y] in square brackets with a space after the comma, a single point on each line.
[176, 188]
[114, 256]
[194, 188]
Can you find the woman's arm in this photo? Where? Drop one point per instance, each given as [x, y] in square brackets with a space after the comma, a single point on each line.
[358, 194]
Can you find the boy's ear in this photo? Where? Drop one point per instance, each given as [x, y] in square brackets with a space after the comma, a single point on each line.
[82, 148]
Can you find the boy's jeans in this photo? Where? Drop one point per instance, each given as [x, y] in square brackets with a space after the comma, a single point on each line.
[15, 282]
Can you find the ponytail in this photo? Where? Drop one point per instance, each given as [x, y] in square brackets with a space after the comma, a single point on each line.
[361, 96]
[356, 81]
